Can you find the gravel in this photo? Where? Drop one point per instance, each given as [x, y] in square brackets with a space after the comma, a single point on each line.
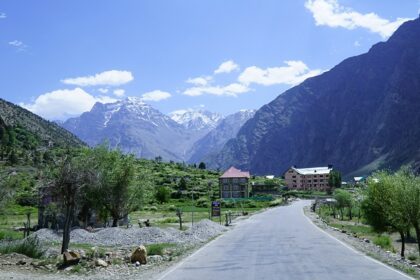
[200, 232]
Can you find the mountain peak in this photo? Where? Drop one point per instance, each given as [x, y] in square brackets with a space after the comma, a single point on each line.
[196, 119]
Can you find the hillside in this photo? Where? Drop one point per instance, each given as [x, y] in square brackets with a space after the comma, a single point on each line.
[48, 133]
[361, 115]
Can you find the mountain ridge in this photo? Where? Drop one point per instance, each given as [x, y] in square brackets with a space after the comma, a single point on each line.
[352, 116]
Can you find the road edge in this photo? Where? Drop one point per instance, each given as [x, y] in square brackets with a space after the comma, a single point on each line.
[371, 257]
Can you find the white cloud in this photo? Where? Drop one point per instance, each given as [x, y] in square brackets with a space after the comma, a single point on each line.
[294, 73]
[3, 15]
[199, 81]
[119, 92]
[63, 103]
[156, 95]
[107, 78]
[330, 13]
[230, 90]
[357, 44]
[227, 67]
[103, 90]
[19, 45]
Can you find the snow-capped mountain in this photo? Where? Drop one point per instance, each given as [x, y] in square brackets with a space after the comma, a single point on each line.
[134, 127]
[196, 119]
[214, 141]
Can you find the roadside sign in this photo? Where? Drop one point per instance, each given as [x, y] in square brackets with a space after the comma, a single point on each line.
[215, 208]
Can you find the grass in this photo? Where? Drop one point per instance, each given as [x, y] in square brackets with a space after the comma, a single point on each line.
[383, 241]
[163, 214]
[158, 248]
[29, 247]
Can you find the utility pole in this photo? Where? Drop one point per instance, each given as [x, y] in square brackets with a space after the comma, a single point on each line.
[192, 207]
[209, 191]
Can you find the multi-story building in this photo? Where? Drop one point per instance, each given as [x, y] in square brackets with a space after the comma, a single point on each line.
[314, 178]
[234, 183]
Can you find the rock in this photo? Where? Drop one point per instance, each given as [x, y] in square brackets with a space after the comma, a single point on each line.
[100, 262]
[21, 262]
[366, 240]
[71, 257]
[155, 259]
[137, 264]
[139, 255]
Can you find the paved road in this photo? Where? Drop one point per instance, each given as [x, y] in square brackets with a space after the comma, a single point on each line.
[279, 244]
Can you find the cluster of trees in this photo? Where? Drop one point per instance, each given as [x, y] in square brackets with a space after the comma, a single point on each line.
[100, 180]
[392, 203]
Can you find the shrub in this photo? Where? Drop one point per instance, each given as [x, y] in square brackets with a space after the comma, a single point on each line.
[163, 194]
[412, 257]
[153, 208]
[202, 202]
[276, 202]
[383, 241]
[172, 208]
[228, 204]
[157, 249]
[29, 247]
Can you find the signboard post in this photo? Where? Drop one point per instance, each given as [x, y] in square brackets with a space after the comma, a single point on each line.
[216, 209]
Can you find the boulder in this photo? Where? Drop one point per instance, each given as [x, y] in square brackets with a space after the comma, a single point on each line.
[100, 262]
[71, 257]
[139, 255]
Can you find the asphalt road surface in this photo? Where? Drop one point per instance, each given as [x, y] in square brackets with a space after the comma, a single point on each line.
[280, 243]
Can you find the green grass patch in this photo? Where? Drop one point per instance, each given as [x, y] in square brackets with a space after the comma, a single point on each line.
[158, 248]
[29, 247]
[383, 241]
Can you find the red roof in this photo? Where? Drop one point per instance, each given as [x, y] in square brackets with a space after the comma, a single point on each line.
[235, 173]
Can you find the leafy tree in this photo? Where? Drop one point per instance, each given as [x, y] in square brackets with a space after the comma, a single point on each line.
[344, 200]
[163, 194]
[116, 178]
[383, 206]
[408, 198]
[70, 180]
[182, 185]
[202, 165]
[334, 180]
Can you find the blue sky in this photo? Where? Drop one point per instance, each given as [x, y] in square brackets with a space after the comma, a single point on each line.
[59, 57]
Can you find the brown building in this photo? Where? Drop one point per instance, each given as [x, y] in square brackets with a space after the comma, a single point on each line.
[234, 183]
[315, 178]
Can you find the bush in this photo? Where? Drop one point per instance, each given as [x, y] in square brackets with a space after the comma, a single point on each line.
[276, 202]
[163, 194]
[202, 202]
[383, 241]
[249, 204]
[153, 208]
[29, 247]
[412, 257]
[228, 204]
[172, 208]
[157, 249]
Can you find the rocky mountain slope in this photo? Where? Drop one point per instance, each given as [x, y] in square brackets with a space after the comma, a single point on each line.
[136, 127]
[213, 142]
[361, 115]
[48, 133]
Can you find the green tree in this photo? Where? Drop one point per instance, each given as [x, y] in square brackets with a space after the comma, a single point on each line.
[70, 180]
[116, 179]
[408, 188]
[334, 180]
[163, 194]
[202, 165]
[383, 205]
[344, 200]
[182, 185]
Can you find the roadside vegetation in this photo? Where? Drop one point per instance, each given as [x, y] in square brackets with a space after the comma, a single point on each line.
[384, 210]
